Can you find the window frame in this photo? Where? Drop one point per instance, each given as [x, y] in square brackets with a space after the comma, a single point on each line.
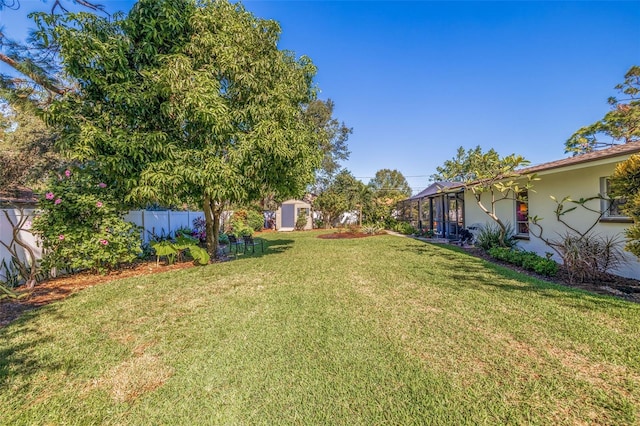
[606, 207]
[523, 194]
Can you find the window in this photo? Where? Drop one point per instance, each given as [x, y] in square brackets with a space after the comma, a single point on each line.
[522, 214]
[610, 207]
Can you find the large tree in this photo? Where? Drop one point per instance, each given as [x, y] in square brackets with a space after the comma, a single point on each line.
[344, 194]
[186, 101]
[387, 188]
[489, 177]
[620, 125]
[332, 137]
[27, 154]
[390, 183]
[34, 78]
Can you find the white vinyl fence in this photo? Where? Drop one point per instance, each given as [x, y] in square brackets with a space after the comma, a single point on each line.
[7, 218]
[160, 223]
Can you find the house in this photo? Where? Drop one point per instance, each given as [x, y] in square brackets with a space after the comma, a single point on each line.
[288, 213]
[445, 208]
[438, 208]
[580, 177]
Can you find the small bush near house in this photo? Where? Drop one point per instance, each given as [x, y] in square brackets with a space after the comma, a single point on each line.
[301, 221]
[489, 237]
[80, 226]
[526, 259]
[404, 228]
[590, 256]
[371, 229]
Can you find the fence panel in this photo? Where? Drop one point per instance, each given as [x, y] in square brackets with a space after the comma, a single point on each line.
[6, 235]
[161, 223]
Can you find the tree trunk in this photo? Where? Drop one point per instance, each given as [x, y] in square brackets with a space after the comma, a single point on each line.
[217, 212]
[209, 228]
[494, 216]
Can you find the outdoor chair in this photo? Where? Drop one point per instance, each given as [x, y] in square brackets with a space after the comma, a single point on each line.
[250, 242]
[234, 243]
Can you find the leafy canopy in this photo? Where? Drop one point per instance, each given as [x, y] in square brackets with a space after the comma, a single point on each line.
[389, 183]
[332, 137]
[625, 182]
[344, 194]
[185, 101]
[621, 124]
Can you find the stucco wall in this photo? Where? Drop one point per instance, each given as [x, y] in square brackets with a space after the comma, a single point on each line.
[578, 182]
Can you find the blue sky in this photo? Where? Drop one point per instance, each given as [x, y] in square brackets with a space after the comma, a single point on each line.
[417, 79]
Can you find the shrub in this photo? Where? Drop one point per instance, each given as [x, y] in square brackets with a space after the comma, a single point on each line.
[246, 222]
[81, 227]
[301, 221]
[200, 229]
[176, 249]
[223, 238]
[404, 228]
[590, 256]
[526, 259]
[371, 229]
[188, 232]
[489, 237]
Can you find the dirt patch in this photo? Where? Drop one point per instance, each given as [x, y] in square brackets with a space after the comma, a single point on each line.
[59, 288]
[133, 378]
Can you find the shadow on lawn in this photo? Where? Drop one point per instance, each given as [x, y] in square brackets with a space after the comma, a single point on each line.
[270, 247]
[18, 358]
[471, 272]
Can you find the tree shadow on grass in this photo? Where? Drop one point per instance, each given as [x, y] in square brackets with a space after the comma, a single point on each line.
[471, 272]
[268, 247]
[20, 357]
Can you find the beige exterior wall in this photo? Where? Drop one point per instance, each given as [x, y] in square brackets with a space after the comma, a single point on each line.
[290, 213]
[579, 181]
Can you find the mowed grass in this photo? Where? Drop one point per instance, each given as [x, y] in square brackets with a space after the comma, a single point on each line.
[380, 330]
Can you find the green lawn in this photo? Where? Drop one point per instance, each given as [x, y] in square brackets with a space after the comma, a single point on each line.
[380, 330]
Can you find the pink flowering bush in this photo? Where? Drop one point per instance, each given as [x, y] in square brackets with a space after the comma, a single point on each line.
[80, 226]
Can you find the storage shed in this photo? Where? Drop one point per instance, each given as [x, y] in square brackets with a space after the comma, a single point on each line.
[288, 213]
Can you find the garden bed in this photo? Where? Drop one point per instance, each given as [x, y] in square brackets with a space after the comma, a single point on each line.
[609, 284]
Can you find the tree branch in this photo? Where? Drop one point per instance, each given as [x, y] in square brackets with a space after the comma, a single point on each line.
[39, 80]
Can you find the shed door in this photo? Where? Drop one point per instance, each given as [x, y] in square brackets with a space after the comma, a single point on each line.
[289, 216]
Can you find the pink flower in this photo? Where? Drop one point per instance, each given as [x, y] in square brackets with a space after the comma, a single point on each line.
[99, 204]
[67, 173]
[57, 201]
[61, 237]
[102, 185]
[49, 196]
[104, 242]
